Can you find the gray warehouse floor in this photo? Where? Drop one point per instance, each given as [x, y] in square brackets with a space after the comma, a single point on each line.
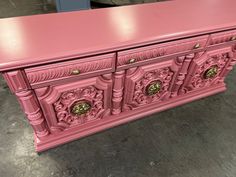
[194, 140]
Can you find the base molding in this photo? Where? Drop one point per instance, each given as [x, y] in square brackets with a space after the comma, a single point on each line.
[127, 116]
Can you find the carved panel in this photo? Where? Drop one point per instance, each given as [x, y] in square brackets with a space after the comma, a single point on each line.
[151, 83]
[65, 69]
[64, 105]
[208, 69]
[163, 76]
[77, 103]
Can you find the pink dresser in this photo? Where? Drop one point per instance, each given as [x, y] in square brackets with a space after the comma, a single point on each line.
[115, 65]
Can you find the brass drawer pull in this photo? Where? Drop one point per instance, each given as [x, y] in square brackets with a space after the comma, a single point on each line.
[197, 46]
[75, 72]
[81, 108]
[132, 60]
[233, 38]
[153, 88]
[211, 72]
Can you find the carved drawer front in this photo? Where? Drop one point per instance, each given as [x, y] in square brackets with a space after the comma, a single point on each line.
[131, 57]
[78, 68]
[209, 69]
[83, 103]
[152, 83]
[223, 37]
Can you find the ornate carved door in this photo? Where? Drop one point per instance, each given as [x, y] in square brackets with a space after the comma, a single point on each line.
[76, 104]
[151, 83]
[209, 68]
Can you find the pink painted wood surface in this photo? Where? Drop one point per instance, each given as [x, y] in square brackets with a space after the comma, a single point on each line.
[33, 40]
[114, 87]
[57, 102]
[16, 80]
[64, 70]
[160, 50]
[34, 114]
[219, 58]
[138, 80]
[75, 133]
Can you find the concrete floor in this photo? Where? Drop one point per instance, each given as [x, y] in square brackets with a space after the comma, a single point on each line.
[194, 140]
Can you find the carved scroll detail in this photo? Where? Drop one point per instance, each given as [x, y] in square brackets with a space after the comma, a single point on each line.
[219, 60]
[64, 104]
[34, 114]
[201, 65]
[163, 75]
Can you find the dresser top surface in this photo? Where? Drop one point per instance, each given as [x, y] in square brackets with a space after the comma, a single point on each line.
[46, 38]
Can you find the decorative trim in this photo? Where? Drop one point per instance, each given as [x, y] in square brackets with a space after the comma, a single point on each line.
[64, 105]
[63, 70]
[160, 50]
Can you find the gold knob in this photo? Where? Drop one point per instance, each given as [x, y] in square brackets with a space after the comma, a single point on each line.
[197, 46]
[153, 88]
[211, 72]
[75, 72]
[81, 108]
[233, 38]
[132, 60]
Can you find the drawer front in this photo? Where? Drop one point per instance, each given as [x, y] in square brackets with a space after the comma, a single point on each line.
[209, 69]
[77, 104]
[223, 37]
[154, 83]
[78, 68]
[132, 57]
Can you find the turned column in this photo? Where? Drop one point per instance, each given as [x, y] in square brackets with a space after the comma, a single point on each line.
[118, 90]
[19, 86]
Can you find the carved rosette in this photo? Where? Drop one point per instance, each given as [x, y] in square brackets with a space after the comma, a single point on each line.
[200, 80]
[89, 95]
[162, 76]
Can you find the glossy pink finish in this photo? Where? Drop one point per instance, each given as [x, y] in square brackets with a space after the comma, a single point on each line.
[41, 39]
[39, 70]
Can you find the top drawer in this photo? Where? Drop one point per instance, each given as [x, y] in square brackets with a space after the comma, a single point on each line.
[78, 68]
[223, 37]
[128, 57]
